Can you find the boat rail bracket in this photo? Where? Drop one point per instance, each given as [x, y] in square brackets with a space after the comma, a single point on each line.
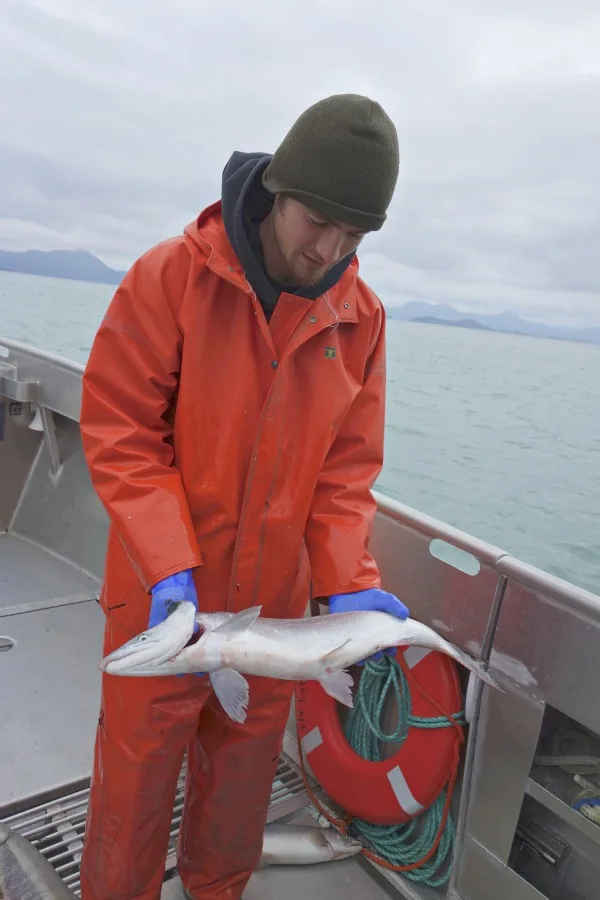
[46, 418]
[13, 389]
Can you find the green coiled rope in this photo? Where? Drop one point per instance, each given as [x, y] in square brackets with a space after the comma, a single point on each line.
[407, 843]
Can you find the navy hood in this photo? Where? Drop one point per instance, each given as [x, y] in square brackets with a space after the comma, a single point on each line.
[245, 202]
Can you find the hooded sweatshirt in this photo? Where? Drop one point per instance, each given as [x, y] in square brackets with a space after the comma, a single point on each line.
[245, 203]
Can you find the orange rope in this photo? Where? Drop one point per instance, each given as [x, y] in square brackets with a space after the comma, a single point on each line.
[344, 824]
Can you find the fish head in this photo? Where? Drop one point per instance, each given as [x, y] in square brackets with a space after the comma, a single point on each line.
[155, 645]
[339, 844]
[202, 653]
[170, 650]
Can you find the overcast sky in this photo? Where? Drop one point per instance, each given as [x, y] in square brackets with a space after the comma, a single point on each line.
[116, 119]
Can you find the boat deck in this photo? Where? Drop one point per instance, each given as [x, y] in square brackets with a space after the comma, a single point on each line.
[32, 578]
[48, 609]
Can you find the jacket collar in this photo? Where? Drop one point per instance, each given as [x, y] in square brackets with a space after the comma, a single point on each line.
[208, 232]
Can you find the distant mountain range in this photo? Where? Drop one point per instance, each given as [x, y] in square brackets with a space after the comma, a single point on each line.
[442, 314]
[76, 264]
[460, 323]
[83, 266]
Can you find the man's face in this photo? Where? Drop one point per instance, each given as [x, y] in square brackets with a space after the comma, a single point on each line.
[308, 243]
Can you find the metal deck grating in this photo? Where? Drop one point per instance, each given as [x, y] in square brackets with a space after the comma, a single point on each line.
[57, 828]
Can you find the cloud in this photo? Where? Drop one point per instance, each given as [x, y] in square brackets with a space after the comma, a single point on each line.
[118, 120]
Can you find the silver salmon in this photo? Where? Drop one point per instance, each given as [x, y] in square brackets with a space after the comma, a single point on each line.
[229, 644]
[24, 873]
[304, 845]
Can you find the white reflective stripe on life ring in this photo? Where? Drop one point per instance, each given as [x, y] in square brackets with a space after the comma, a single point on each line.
[312, 740]
[414, 655]
[403, 792]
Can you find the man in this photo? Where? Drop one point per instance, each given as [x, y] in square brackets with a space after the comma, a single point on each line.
[232, 419]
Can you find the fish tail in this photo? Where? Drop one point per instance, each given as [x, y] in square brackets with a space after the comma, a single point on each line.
[473, 665]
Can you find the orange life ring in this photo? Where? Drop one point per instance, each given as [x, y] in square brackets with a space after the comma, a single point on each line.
[397, 789]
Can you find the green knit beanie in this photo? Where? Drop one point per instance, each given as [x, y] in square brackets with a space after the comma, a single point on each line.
[340, 158]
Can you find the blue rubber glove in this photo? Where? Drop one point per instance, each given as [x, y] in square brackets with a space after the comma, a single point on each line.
[172, 589]
[370, 600]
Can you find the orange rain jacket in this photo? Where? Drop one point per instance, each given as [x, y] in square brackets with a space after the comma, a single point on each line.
[277, 431]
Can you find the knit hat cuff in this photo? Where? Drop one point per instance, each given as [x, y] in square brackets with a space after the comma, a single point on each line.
[357, 218]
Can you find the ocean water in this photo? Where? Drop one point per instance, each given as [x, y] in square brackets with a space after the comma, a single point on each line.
[496, 434]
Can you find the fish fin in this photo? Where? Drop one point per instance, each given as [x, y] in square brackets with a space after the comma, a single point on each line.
[232, 692]
[339, 686]
[239, 622]
[474, 666]
[330, 655]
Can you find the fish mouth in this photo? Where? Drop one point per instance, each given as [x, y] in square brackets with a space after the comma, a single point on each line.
[145, 652]
[131, 655]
